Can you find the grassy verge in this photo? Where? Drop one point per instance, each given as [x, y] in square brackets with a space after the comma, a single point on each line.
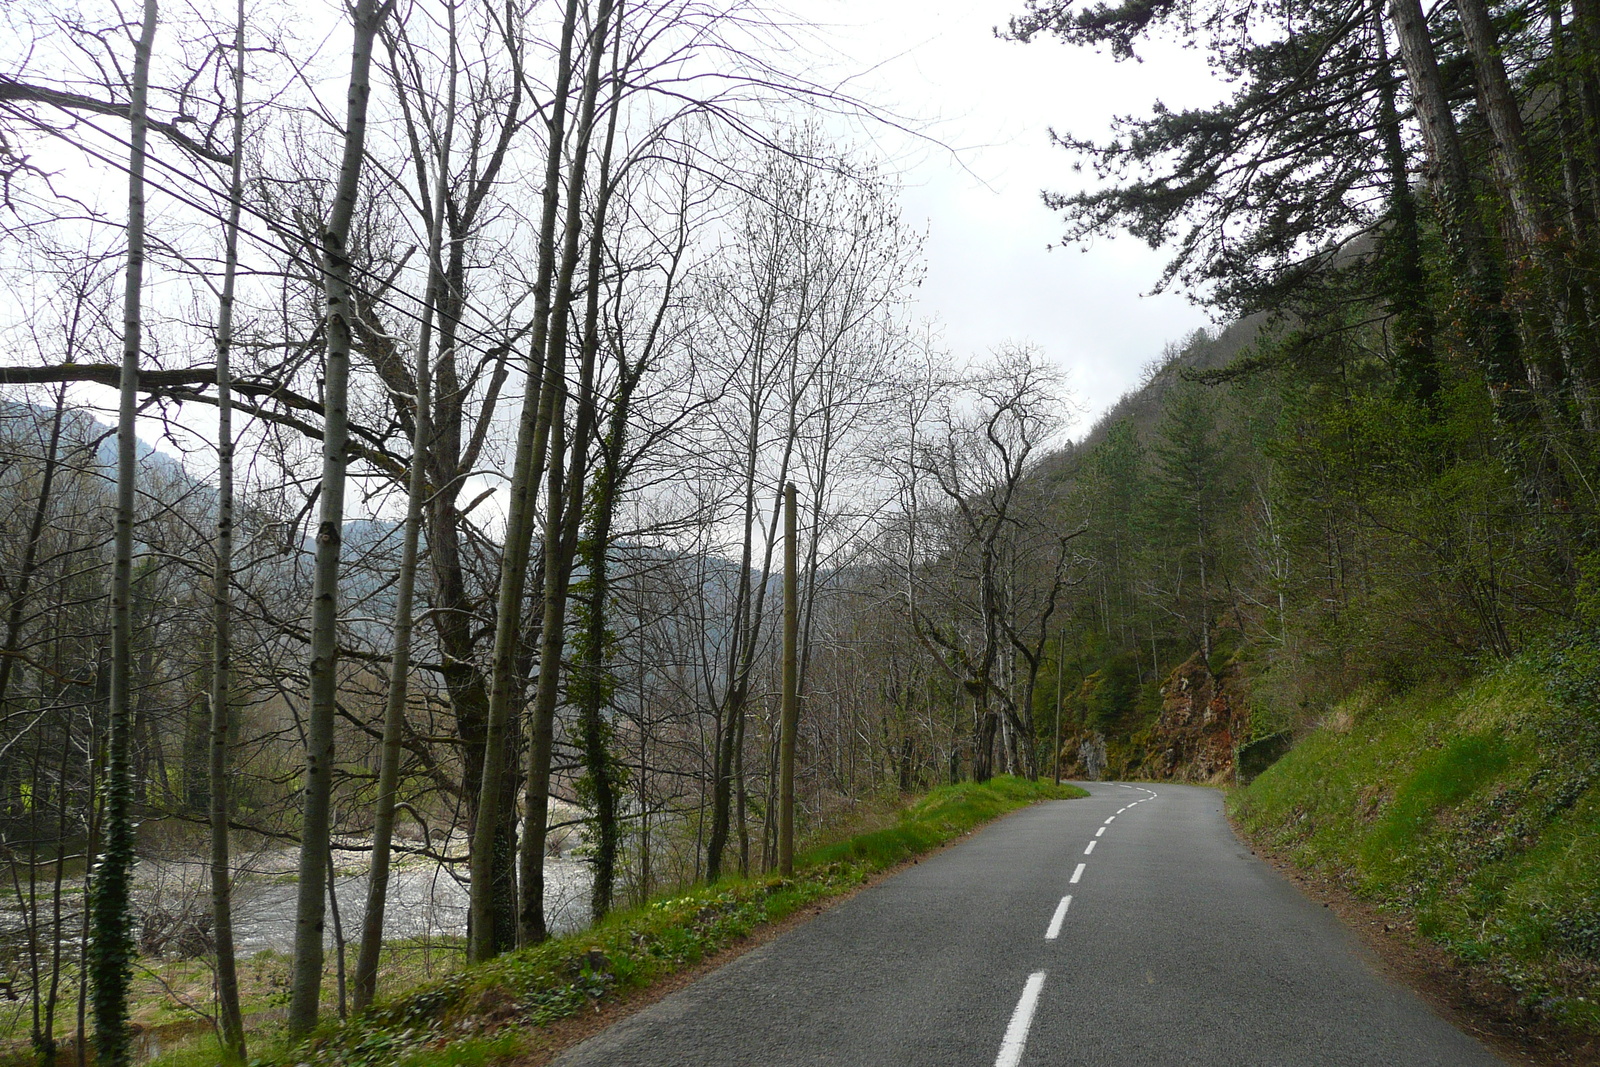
[484, 1015]
[168, 995]
[1474, 813]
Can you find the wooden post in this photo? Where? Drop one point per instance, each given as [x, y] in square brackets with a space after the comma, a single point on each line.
[790, 717]
[1061, 662]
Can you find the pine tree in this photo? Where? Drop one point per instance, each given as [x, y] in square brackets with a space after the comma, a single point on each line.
[1189, 497]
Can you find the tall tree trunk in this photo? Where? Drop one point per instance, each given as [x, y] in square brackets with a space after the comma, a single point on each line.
[592, 683]
[1586, 37]
[230, 1019]
[1499, 106]
[563, 502]
[740, 794]
[1416, 362]
[749, 597]
[1574, 178]
[16, 614]
[452, 453]
[111, 943]
[1529, 212]
[48, 1049]
[749, 616]
[983, 737]
[744, 629]
[533, 430]
[1486, 320]
[394, 711]
[306, 979]
[1577, 294]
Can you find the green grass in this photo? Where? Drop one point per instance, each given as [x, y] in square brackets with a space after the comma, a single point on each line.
[165, 992]
[945, 813]
[1475, 812]
[483, 1015]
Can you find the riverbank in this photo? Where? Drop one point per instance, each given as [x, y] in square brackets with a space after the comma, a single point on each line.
[172, 986]
[497, 1012]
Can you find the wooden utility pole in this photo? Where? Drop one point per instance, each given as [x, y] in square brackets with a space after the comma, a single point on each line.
[1061, 663]
[790, 717]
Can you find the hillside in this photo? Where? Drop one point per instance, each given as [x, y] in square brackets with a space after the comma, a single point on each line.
[1469, 814]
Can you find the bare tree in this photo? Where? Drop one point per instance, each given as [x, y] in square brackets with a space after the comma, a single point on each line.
[982, 543]
[489, 841]
[230, 1018]
[112, 944]
[306, 983]
[416, 493]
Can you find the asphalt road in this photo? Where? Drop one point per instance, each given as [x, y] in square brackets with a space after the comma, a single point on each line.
[1178, 947]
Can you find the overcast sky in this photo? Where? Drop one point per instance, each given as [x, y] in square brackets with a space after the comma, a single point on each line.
[992, 276]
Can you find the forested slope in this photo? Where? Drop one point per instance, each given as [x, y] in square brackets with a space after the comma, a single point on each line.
[1382, 474]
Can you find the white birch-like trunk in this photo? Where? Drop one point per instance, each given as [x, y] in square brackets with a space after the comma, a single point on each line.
[111, 940]
[230, 1019]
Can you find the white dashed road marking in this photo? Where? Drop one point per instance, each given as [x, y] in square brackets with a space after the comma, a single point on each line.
[1056, 919]
[1089, 849]
[1077, 874]
[1016, 1038]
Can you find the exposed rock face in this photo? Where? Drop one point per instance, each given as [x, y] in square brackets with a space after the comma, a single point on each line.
[1084, 757]
[1092, 756]
[1202, 715]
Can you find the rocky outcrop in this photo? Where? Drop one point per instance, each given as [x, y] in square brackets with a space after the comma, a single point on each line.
[1083, 756]
[1203, 716]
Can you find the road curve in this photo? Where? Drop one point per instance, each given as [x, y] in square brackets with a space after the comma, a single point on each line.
[1178, 947]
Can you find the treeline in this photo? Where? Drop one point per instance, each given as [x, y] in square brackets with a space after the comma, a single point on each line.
[1384, 472]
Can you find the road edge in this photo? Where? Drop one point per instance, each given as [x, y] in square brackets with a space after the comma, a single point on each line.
[547, 1042]
[1469, 997]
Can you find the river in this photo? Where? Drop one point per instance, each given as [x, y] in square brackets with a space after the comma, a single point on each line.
[425, 899]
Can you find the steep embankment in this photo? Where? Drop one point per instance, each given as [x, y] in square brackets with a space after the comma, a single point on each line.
[1472, 813]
